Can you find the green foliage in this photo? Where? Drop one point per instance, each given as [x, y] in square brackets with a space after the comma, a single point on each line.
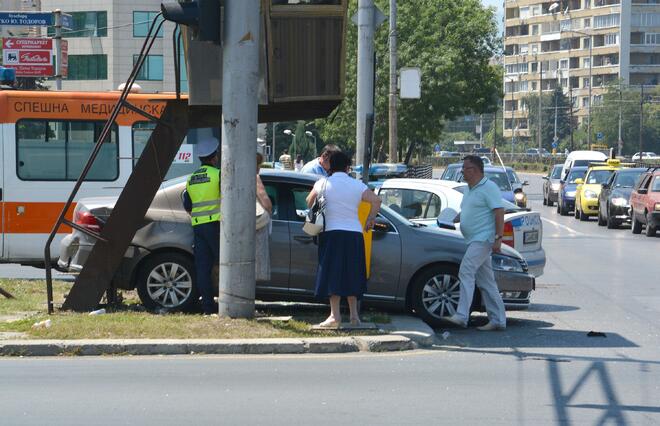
[605, 119]
[452, 42]
[556, 102]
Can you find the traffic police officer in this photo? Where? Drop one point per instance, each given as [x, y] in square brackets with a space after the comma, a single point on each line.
[202, 201]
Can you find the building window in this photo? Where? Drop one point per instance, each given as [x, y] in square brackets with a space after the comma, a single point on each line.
[563, 64]
[587, 22]
[535, 10]
[524, 12]
[610, 39]
[646, 19]
[85, 24]
[606, 21]
[535, 30]
[586, 62]
[586, 42]
[524, 48]
[142, 23]
[55, 150]
[88, 67]
[152, 68]
[585, 82]
[652, 38]
[585, 102]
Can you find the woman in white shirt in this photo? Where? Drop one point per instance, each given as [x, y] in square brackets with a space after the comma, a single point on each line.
[342, 265]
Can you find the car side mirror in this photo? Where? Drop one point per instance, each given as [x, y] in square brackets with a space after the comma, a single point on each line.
[605, 185]
[561, 182]
[446, 225]
[579, 181]
[526, 183]
[642, 191]
[382, 225]
[544, 178]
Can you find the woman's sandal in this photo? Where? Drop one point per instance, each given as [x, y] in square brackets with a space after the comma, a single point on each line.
[356, 321]
[329, 323]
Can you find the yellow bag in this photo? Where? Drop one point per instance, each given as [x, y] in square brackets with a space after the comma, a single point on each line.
[363, 212]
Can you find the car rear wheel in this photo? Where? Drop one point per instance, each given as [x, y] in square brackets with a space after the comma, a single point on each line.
[435, 294]
[561, 208]
[636, 225]
[165, 281]
[650, 229]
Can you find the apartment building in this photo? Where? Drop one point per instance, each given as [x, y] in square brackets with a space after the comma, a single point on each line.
[550, 44]
[105, 41]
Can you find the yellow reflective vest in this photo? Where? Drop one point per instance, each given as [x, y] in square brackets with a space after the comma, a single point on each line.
[203, 188]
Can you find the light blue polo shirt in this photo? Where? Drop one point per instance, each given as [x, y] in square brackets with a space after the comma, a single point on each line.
[477, 218]
[314, 167]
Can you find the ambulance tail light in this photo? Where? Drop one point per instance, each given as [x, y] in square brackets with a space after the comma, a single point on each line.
[87, 220]
[507, 236]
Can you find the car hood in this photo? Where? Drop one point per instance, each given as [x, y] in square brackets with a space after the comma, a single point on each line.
[621, 193]
[593, 187]
[570, 187]
[508, 195]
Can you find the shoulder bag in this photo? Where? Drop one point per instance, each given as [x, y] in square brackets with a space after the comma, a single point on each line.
[315, 219]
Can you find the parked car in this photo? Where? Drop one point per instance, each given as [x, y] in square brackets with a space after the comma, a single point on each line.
[413, 266]
[567, 189]
[614, 198]
[451, 171]
[535, 152]
[588, 189]
[645, 156]
[422, 200]
[507, 180]
[449, 154]
[645, 202]
[551, 185]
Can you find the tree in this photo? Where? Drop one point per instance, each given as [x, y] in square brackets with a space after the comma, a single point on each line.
[452, 42]
[556, 103]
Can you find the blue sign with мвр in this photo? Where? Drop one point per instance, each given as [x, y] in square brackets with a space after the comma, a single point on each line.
[599, 136]
[17, 19]
[67, 21]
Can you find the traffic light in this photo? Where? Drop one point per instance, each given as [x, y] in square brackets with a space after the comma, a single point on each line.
[204, 16]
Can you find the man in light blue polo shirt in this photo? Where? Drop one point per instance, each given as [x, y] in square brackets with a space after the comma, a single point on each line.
[321, 165]
[482, 225]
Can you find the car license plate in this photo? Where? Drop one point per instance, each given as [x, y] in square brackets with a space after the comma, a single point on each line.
[531, 237]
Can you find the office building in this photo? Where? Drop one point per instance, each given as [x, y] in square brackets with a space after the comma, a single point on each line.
[550, 44]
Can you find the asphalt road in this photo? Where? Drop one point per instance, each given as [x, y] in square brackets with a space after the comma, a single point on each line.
[544, 369]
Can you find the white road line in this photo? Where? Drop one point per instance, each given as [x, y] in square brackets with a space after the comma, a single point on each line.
[559, 225]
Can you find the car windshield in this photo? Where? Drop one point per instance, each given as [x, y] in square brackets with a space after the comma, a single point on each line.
[171, 182]
[626, 179]
[656, 185]
[598, 176]
[513, 177]
[500, 178]
[556, 172]
[574, 175]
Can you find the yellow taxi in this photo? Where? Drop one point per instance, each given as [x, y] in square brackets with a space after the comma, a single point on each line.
[588, 189]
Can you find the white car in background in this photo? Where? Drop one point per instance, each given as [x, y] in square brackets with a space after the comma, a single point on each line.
[422, 201]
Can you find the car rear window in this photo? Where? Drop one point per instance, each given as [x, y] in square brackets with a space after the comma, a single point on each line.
[656, 184]
[575, 174]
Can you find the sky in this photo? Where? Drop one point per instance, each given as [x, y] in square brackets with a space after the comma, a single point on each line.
[498, 6]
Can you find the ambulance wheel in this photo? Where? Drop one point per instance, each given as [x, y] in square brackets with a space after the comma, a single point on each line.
[165, 281]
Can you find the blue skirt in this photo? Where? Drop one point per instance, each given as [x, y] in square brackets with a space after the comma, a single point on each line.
[342, 267]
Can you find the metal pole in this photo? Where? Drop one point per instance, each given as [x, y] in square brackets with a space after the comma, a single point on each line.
[571, 110]
[240, 81]
[365, 72]
[641, 125]
[554, 139]
[481, 130]
[274, 157]
[539, 137]
[620, 141]
[392, 98]
[58, 48]
[591, 83]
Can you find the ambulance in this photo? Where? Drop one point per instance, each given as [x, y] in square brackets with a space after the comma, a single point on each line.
[46, 139]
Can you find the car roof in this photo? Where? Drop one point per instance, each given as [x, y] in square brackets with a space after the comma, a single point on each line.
[417, 183]
[496, 168]
[283, 175]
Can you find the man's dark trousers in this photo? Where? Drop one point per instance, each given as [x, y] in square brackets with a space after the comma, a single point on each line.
[207, 253]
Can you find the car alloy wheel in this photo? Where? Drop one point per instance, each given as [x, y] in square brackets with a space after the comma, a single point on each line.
[435, 294]
[166, 281]
[611, 223]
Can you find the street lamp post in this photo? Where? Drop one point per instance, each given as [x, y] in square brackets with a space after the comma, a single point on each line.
[293, 135]
[309, 133]
[591, 60]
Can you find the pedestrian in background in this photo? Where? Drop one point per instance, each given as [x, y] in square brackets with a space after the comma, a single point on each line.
[321, 165]
[482, 225]
[202, 200]
[299, 163]
[285, 159]
[342, 265]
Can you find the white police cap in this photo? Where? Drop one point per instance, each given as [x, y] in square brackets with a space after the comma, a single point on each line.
[207, 146]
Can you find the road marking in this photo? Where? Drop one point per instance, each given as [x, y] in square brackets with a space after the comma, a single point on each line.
[559, 225]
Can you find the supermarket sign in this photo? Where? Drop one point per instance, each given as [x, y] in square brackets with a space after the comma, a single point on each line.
[30, 57]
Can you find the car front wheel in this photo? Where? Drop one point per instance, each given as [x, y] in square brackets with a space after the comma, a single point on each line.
[650, 229]
[636, 225]
[165, 280]
[435, 294]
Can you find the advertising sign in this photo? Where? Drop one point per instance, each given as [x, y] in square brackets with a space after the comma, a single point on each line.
[30, 57]
[185, 155]
[64, 64]
[15, 19]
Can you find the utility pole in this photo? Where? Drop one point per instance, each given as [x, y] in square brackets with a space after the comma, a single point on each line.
[365, 72]
[58, 49]
[394, 143]
[570, 86]
[240, 80]
[641, 125]
[591, 83]
[540, 126]
[274, 157]
[554, 139]
[620, 141]
[481, 129]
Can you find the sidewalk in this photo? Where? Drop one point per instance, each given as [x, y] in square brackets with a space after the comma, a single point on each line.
[405, 333]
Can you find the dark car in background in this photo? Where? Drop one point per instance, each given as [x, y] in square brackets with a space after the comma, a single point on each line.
[614, 197]
[507, 181]
[451, 171]
[567, 189]
[413, 266]
[552, 184]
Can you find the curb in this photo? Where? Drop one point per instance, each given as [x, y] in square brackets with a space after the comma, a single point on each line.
[385, 343]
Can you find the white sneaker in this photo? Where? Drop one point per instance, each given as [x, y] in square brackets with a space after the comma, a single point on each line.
[456, 320]
[491, 327]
